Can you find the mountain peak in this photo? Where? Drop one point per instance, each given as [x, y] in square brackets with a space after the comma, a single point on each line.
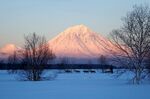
[80, 42]
[8, 48]
[81, 26]
[79, 29]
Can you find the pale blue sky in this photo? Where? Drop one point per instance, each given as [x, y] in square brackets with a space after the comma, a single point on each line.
[50, 17]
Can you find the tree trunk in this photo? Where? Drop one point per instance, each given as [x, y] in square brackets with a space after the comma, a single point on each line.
[137, 76]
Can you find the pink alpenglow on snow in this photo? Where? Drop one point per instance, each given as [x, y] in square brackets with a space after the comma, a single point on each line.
[75, 42]
[9, 48]
[79, 41]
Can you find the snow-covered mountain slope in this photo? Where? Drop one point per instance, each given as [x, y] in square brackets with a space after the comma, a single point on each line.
[74, 43]
[8, 50]
[79, 41]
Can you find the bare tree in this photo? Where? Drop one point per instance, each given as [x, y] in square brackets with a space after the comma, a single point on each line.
[35, 56]
[13, 60]
[102, 60]
[106, 68]
[148, 66]
[1, 63]
[132, 40]
[65, 63]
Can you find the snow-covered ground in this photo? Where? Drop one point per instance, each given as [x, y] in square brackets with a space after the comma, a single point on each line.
[72, 86]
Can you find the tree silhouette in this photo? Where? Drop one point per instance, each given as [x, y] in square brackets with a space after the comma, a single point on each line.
[132, 40]
[35, 55]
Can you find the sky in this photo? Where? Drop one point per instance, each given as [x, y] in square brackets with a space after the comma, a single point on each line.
[50, 17]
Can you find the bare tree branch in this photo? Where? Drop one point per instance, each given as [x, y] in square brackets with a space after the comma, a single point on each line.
[133, 39]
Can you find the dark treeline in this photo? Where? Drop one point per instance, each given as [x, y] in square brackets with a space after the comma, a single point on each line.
[5, 66]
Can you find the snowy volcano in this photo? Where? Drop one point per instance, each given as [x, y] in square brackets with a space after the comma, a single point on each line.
[79, 42]
[75, 43]
[8, 50]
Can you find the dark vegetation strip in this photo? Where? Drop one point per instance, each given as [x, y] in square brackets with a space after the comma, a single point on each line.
[57, 66]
